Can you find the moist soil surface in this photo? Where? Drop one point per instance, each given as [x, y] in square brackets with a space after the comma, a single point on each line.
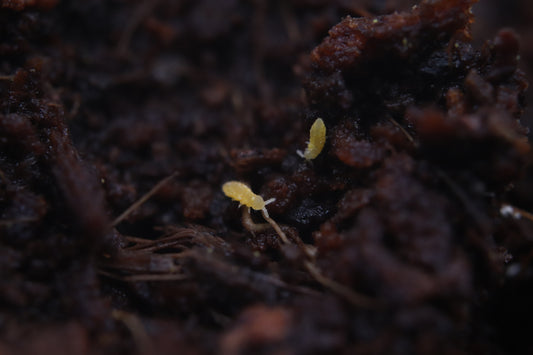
[410, 233]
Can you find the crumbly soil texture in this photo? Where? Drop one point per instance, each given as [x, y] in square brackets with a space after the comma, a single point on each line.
[410, 233]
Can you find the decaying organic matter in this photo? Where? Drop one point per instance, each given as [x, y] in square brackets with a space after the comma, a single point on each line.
[407, 234]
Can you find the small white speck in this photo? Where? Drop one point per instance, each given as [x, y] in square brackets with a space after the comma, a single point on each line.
[509, 211]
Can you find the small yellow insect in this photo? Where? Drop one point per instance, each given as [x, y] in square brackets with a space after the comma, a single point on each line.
[240, 192]
[317, 139]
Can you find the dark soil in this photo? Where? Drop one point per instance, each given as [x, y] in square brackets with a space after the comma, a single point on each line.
[408, 234]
